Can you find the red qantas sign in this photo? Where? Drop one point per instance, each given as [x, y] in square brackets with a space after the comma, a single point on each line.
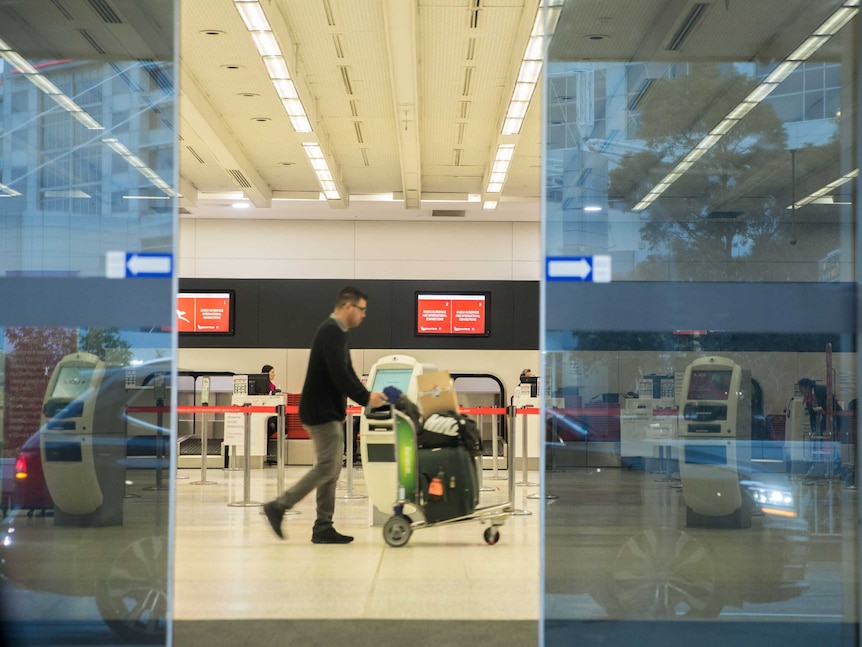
[450, 314]
[203, 313]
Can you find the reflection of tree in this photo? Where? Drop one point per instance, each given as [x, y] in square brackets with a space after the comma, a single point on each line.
[33, 353]
[106, 344]
[730, 204]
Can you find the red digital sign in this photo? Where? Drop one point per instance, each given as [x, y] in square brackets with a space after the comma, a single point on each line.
[452, 314]
[205, 312]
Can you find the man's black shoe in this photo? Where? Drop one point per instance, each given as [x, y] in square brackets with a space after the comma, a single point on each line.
[330, 536]
[274, 514]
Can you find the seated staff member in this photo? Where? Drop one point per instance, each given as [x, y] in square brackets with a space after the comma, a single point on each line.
[273, 387]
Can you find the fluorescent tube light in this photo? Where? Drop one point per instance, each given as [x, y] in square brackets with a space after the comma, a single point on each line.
[836, 21]
[807, 48]
[529, 71]
[266, 43]
[276, 67]
[782, 71]
[252, 15]
[285, 89]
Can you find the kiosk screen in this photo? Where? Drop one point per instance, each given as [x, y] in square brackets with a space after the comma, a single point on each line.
[72, 382]
[704, 454]
[397, 377]
[709, 385]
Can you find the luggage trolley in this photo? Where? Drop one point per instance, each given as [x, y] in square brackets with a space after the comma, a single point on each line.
[399, 527]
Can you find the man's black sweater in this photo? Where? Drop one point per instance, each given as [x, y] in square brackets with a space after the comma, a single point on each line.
[330, 377]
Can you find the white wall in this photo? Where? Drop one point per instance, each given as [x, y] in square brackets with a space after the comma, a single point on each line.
[345, 249]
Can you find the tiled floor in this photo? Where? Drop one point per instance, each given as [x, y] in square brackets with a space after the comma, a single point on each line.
[229, 564]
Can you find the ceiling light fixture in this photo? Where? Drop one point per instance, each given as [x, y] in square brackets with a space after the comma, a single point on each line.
[544, 23]
[269, 43]
[8, 192]
[266, 43]
[45, 85]
[818, 38]
[321, 170]
[820, 193]
[120, 149]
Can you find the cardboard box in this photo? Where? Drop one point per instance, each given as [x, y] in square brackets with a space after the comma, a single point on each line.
[436, 392]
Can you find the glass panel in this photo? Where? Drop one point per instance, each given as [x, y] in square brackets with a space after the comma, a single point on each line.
[87, 203]
[700, 330]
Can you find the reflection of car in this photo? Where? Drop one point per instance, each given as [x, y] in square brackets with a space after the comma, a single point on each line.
[24, 485]
[122, 568]
[30, 492]
[113, 548]
[636, 559]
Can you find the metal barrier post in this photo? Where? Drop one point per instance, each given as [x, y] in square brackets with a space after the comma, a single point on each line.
[511, 465]
[246, 480]
[280, 444]
[524, 452]
[204, 453]
[279, 449]
[544, 445]
[495, 454]
[348, 441]
[481, 470]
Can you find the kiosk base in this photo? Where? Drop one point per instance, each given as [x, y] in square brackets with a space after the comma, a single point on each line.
[103, 516]
[739, 518]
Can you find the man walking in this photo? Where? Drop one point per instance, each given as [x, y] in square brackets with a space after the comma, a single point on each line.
[330, 379]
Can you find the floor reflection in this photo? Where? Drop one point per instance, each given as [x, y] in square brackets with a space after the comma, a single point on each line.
[618, 547]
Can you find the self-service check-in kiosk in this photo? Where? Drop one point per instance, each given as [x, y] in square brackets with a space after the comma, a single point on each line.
[82, 442]
[715, 439]
[376, 435]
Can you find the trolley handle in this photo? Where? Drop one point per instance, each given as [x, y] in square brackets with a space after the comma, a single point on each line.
[383, 412]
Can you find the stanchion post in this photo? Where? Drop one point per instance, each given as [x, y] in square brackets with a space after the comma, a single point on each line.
[279, 449]
[495, 453]
[511, 464]
[481, 465]
[246, 477]
[525, 452]
[204, 453]
[348, 442]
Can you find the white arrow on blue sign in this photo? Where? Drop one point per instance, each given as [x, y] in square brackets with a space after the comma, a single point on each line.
[120, 265]
[591, 269]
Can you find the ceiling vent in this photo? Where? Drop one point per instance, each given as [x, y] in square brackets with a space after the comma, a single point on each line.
[106, 12]
[448, 213]
[239, 178]
[688, 25]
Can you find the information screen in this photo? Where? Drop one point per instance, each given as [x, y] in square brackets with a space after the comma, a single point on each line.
[709, 385]
[205, 312]
[453, 314]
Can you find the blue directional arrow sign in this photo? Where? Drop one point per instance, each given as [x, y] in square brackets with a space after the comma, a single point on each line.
[148, 265]
[590, 269]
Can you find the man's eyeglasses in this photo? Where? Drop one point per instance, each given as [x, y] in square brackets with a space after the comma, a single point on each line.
[359, 307]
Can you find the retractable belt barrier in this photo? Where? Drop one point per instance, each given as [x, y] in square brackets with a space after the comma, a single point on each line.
[282, 410]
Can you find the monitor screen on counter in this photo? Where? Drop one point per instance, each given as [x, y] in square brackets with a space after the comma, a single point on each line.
[205, 312]
[453, 314]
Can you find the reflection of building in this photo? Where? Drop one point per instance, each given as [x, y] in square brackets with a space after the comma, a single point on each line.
[83, 183]
[586, 146]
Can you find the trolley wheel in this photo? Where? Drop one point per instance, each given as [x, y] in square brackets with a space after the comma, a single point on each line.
[492, 535]
[396, 531]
